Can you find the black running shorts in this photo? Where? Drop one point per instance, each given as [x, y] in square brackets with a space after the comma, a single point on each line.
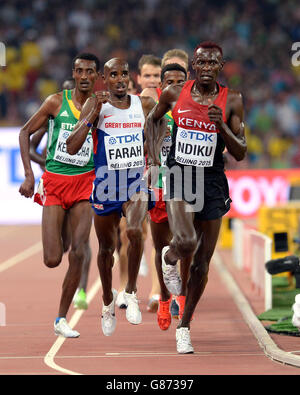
[206, 191]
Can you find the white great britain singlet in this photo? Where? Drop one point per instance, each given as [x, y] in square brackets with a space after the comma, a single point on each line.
[119, 138]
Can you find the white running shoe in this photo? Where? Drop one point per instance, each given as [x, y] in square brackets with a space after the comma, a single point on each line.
[108, 319]
[143, 271]
[171, 276]
[62, 328]
[133, 313]
[120, 302]
[153, 303]
[183, 341]
[296, 321]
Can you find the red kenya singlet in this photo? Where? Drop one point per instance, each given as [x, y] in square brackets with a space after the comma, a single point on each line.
[196, 141]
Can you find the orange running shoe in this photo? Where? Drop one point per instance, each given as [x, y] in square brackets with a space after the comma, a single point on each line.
[180, 300]
[164, 317]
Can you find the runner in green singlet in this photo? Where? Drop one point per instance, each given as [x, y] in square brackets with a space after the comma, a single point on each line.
[66, 185]
[40, 158]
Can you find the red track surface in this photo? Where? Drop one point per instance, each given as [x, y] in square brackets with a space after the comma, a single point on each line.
[223, 343]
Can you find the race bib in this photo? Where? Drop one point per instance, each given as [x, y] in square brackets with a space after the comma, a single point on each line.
[124, 151]
[81, 158]
[165, 149]
[195, 148]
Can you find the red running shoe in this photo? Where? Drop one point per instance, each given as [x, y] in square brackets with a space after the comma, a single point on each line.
[180, 300]
[164, 317]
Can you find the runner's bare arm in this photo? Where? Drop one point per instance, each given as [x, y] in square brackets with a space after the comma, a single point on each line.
[156, 125]
[34, 143]
[151, 92]
[233, 132]
[88, 116]
[50, 107]
[147, 103]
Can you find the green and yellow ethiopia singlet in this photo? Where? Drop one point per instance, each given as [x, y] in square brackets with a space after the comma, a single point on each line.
[59, 129]
[165, 149]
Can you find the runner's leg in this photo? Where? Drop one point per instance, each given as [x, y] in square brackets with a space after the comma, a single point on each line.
[184, 240]
[80, 216]
[106, 229]
[135, 211]
[52, 223]
[207, 232]
[161, 237]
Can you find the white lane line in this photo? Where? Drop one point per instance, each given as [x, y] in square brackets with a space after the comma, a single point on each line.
[34, 249]
[271, 350]
[49, 358]
[138, 354]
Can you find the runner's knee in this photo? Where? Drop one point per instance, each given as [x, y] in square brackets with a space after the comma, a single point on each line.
[135, 235]
[185, 246]
[106, 253]
[78, 252]
[52, 261]
[199, 269]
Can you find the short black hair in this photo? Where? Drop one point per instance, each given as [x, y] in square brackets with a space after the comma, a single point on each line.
[87, 56]
[208, 45]
[172, 66]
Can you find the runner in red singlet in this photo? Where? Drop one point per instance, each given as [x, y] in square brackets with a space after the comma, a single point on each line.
[208, 117]
[159, 215]
[172, 73]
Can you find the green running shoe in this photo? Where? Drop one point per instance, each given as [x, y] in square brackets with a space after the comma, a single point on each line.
[80, 302]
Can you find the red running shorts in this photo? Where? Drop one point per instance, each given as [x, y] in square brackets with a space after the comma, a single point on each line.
[159, 212]
[59, 189]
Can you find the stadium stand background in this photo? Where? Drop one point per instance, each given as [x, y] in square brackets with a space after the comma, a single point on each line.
[42, 37]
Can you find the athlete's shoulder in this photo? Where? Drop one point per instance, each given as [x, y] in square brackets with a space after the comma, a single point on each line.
[234, 93]
[235, 104]
[55, 98]
[58, 96]
[53, 102]
[234, 96]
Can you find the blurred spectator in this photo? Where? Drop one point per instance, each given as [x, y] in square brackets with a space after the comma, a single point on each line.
[132, 87]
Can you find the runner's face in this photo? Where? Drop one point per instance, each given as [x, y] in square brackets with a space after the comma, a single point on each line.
[116, 78]
[149, 77]
[85, 74]
[207, 64]
[172, 77]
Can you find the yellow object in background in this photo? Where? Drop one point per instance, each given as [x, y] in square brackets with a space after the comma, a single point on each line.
[225, 239]
[281, 224]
